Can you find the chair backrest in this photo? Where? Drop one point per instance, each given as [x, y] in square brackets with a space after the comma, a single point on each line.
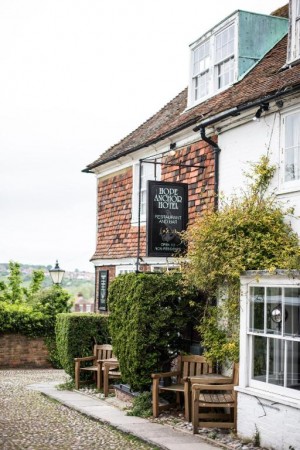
[193, 365]
[103, 351]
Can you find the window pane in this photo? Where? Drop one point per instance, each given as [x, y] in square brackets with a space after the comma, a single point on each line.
[257, 309]
[225, 44]
[259, 358]
[292, 312]
[201, 58]
[293, 365]
[274, 310]
[292, 147]
[201, 85]
[225, 73]
[276, 362]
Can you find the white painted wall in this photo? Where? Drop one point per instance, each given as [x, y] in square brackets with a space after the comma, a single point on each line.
[248, 142]
[278, 425]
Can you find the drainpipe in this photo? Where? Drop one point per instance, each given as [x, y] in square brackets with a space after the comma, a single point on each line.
[216, 150]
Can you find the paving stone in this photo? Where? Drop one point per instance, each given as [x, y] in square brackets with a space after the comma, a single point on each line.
[29, 420]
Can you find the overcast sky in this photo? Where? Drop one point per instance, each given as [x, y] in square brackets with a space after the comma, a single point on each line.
[76, 76]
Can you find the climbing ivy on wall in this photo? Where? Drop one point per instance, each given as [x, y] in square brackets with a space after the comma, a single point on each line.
[250, 231]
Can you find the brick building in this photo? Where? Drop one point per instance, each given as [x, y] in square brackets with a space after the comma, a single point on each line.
[243, 101]
[179, 144]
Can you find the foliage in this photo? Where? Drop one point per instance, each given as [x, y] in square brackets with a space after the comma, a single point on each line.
[148, 312]
[13, 291]
[249, 232]
[32, 310]
[76, 335]
[141, 406]
[16, 318]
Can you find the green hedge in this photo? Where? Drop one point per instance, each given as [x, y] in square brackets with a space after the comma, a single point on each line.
[23, 319]
[76, 335]
[148, 313]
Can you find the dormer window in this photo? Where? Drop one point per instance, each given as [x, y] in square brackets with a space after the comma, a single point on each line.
[224, 54]
[213, 64]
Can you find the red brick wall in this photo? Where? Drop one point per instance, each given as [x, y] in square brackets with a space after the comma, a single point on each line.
[200, 181]
[18, 351]
[116, 237]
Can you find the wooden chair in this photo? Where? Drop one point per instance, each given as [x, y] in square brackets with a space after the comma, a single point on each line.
[209, 402]
[101, 353]
[187, 366]
[110, 372]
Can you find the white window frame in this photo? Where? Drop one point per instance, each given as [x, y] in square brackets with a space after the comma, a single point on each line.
[227, 59]
[149, 174]
[264, 385]
[121, 270]
[210, 72]
[203, 72]
[287, 185]
[294, 32]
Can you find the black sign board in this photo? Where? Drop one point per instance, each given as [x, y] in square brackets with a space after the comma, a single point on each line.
[103, 285]
[167, 217]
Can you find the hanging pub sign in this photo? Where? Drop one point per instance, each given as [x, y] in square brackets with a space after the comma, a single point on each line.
[167, 217]
[103, 286]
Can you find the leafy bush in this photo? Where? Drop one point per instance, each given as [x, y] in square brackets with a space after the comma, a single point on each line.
[249, 232]
[32, 311]
[23, 319]
[148, 312]
[142, 405]
[76, 335]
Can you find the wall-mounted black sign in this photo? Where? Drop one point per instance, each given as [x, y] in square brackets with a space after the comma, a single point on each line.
[103, 285]
[167, 217]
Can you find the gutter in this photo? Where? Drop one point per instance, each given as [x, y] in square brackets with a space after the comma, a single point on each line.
[237, 110]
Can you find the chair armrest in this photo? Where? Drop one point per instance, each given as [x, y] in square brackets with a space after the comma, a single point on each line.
[213, 387]
[165, 374]
[85, 358]
[111, 365]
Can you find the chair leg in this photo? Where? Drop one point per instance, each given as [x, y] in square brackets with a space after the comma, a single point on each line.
[155, 400]
[99, 376]
[187, 401]
[77, 374]
[106, 381]
[195, 415]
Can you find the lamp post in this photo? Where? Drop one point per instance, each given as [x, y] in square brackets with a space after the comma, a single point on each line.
[57, 274]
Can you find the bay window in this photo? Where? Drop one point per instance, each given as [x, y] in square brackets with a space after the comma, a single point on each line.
[274, 338]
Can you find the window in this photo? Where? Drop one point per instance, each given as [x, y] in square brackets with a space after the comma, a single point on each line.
[291, 149]
[213, 63]
[121, 270]
[294, 32]
[149, 171]
[274, 337]
[224, 57]
[201, 61]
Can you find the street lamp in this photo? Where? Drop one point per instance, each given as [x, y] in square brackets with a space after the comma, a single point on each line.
[57, 274]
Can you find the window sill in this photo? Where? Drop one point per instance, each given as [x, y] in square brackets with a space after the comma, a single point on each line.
[274, 398]
[283, 190]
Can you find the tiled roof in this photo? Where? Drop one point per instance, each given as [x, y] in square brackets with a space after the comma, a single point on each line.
[265, 79]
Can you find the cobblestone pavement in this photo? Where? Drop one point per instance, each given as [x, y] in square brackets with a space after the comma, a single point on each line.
[28, 420]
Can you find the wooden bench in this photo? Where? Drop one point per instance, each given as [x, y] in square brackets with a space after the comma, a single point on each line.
[100, 354]
[187, 366]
